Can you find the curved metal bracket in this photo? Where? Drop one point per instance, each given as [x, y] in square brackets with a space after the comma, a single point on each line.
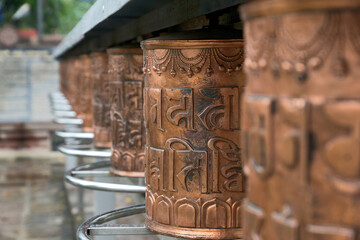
[76, 135]
[94, 226]
[65, 114]
[90, 170]
[57, 93]
[61, 107]
[75, 151]
[58, 98]
[69, 121]
[59, 102]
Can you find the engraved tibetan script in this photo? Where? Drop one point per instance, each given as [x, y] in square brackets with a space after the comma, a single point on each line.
[260, 113]
[225, 151]
[153, 107]
[222, 109]
[181, 107]
[155, 163]
[133, 95]
[195, 165]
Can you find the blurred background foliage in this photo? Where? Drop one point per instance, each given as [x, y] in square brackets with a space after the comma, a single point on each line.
[60, 16]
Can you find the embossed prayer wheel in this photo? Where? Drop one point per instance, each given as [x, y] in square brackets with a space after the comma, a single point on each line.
[63, 68]
[101, 100]
[85, 91]
[72, 74]
[300, 120]
[127, 120]
[193, 87]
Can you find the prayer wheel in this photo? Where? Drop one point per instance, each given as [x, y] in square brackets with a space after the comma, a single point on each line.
[193, 87]
[74, 83]
[300, 119]
[101, 100]
[85, 91]
[127, 120]
[63, 68]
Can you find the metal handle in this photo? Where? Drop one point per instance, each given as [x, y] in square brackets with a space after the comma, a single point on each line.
[91, 227]
[69, 121]
[61, 107]
[57, 93]
[83, 152]
[89, 170]
[65, 114]
[60, 98]
[77, 135]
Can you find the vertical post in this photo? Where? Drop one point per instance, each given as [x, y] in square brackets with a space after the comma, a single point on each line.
[104, 201]
[40, 17]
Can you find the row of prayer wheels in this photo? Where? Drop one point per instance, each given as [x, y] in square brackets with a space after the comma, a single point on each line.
[184, 108]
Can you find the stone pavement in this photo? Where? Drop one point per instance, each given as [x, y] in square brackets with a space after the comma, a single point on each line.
[33, 201]
[36, 204]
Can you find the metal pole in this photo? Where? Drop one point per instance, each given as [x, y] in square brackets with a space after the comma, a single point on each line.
[40, 17]
[104, 201]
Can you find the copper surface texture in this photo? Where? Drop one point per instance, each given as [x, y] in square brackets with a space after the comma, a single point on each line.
[63, 68]
[195, 182]
[101, 100]
[73, 87]
[127, 119]
[300, 121]
[84, 91]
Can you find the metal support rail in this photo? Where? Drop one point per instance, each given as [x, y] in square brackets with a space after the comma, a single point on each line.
[60, 98]
[68, 121]
[61, 107]
[75, 151]
[64, 114]
[57, 93]
[58, 103]
[91, 170]
[76, 135]
[94, 226]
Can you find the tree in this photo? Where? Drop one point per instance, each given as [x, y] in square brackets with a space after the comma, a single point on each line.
[60, 16]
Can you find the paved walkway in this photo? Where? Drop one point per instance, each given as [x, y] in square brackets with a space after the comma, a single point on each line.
[26, 79]
[33, 201]
[36, 204]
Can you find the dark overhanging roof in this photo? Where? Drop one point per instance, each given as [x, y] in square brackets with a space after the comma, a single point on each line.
[111, 22]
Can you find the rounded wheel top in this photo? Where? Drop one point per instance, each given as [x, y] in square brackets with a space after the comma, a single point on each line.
[205, 38]
[260, 8]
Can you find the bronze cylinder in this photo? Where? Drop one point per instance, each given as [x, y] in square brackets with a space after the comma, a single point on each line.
[84, 92]
[74, 84]
[127, 120]
[192, 112]
[300, 120]
[63, 68]
[101, 100]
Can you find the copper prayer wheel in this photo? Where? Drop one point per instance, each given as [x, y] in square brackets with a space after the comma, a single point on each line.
[73, 80]
[84, 92]
[195, 182]
[127, 120]
[63, 68]
[101, 100]
[301, 114]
